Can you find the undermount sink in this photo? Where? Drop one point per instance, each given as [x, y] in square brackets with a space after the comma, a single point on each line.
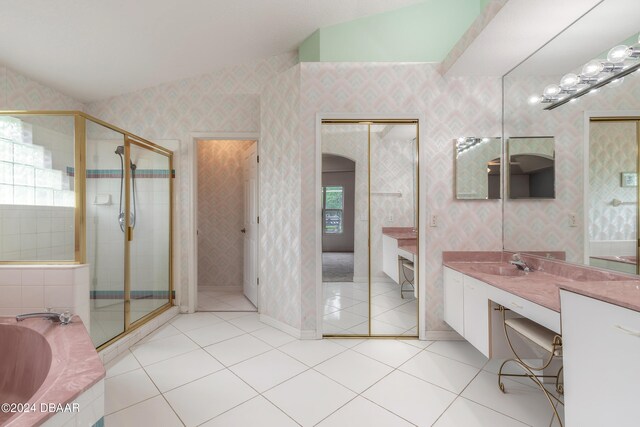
[499, 270]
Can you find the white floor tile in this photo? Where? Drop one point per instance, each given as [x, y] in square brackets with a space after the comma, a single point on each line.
[354, 370]
[441, 371]
[125, 362]
[521, 402]
[182, 369]
[347, 342]
[164, 331]
[127, 389]
[273, 336]
[248, 323]
[212, 334]
[267, 370]
[390, 352]
[312, 352]
[153, 412]
[382, 328]
[256, 412]
[461, 351]
[162, 349]
[187, 322]
[415, 400]
[466, 413]
[344, 319]
[208, 397]
[361, 412]
[418, 343]
[238, 349]
[228, 315]
[309, 397]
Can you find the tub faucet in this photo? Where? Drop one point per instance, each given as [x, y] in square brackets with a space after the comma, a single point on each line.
[63, 318]
[517, 260]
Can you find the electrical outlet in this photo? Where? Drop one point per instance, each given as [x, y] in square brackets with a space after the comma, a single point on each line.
[390, 218]
[434, 221]
[573, 220]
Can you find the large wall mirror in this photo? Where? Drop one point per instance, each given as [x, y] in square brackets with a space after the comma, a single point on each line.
[580, 94]
[477, 165]
[531, 168]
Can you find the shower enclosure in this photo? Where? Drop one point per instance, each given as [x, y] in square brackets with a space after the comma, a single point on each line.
[108, 194]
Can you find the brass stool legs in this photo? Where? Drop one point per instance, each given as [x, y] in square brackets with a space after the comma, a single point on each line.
[556, 347]
[404, 280]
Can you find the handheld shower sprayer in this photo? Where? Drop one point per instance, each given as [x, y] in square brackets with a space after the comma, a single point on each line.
[132, 216]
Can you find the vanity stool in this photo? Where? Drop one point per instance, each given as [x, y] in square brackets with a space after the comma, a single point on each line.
[404, 266]
[543, 338]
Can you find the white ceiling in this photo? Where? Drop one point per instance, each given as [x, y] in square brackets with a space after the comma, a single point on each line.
[94, 49]
[520, 28]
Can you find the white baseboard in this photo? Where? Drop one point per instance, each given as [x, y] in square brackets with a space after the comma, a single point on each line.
[294, 332]
[442, 336]
[219, 288]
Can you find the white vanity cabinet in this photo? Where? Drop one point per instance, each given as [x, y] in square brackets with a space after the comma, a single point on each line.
[390, 257]
[476, 314]
[454, 300]
[466, 308]
[601, 346]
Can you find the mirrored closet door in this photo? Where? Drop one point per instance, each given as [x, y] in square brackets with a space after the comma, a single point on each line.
[369, 223]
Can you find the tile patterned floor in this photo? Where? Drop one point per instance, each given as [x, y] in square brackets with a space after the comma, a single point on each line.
[346, 309]
[210, 299]
[230, 369]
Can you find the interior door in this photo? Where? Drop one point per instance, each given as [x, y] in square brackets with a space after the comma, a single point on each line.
[250, 230]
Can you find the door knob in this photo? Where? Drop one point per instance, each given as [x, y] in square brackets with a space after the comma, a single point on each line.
[244, 230]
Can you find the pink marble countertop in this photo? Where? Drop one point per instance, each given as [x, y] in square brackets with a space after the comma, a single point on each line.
[410, 246]
[623, 293]
[536, 286]
[75, 365]
[400, 233]
[542, 285]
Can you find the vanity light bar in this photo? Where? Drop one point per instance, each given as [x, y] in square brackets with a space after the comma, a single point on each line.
[592, 77]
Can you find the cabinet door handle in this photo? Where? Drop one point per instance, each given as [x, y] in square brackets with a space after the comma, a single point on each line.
[516, 305]
[628, 331]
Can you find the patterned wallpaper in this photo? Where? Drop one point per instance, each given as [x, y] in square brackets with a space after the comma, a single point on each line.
[613, 148]
[221, 212]
[226, 100]
[543, 225]
[280, 254]
[452, 107]
[18, 92]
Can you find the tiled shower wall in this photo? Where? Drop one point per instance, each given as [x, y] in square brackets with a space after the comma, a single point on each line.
[221, 212]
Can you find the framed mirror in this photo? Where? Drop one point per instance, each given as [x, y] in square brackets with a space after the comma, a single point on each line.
[572, 88]
[478, 168]
[532, 168]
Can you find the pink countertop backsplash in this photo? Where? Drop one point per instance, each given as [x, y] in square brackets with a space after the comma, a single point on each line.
[542, 285]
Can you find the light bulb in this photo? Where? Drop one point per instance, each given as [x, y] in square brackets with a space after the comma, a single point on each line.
[461, 140]
[569, 81]
[592, 68]
[551, 91]
[619, 53]
[535, 99]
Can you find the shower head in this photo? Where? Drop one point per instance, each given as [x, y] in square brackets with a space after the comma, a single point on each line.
[120, 150]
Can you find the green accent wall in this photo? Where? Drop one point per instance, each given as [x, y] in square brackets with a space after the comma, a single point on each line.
[424, 32]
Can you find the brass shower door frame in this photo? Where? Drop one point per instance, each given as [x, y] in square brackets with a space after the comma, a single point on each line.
[80, 238]
[417, 272]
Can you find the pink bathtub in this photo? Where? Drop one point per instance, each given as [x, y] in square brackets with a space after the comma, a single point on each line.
[43, 363]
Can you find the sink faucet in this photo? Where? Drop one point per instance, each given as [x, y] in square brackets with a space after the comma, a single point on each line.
[517, 260]
[64, 318]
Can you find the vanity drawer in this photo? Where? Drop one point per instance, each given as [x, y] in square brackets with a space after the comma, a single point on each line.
[539, 314]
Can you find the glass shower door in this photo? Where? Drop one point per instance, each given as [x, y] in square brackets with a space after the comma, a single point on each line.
[149, 222]
[105, 240]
